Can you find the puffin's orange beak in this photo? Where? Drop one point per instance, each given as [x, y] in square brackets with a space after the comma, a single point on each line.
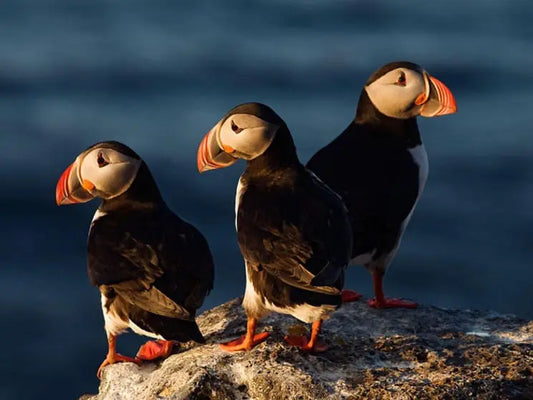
[69, 190]
[62, 194]
[211, 155]
[441, 100]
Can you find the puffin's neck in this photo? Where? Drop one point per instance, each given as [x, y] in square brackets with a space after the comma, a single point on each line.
[143, 194]
[280, 156]
[402, 130]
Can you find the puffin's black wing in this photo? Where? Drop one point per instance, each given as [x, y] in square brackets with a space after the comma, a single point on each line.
[370, 170]
[296, 234]
[153, 259]
[285, 255]
[339, 236]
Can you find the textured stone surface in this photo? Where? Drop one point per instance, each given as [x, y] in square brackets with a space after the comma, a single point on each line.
[428, 353]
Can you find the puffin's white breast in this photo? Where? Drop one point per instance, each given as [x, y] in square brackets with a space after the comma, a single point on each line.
[98, 214]
[241, 188]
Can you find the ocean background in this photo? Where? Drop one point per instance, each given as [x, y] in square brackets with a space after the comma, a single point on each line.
[158, 75]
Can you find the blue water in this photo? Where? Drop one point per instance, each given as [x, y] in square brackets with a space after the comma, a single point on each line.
[158, 75]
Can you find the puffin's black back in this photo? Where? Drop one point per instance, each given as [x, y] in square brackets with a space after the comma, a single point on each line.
[139, 243]
[156, 244]
[370, 167]
[287, 219]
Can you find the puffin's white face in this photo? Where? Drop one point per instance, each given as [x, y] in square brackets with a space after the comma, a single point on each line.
[109, 172]
[98, 172]
[395, 94]
[246, 136]
[243, 136]
[405, 93]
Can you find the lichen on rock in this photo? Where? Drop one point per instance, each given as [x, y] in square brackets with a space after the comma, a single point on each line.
[427, 353]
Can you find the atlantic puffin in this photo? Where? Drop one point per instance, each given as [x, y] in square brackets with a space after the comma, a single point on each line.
[152, 268]
[293, 231]
[379, 165]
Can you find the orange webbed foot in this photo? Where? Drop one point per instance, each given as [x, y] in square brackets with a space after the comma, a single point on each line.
[155, 349]
[349, 295]
[115, 358]
[241, 344]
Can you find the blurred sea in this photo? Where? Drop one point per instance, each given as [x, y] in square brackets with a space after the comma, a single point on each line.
[158, 75]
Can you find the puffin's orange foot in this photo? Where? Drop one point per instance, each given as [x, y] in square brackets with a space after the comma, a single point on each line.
[155, 349]
[241, 343]
[115, 358]
[349, 295]
[392, 303]
[303, 343]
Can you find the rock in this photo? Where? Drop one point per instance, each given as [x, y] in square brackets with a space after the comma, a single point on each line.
[427, 353]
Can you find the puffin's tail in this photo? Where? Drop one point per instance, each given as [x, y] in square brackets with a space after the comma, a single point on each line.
[169, 328]
[182, 331]
[328, 275]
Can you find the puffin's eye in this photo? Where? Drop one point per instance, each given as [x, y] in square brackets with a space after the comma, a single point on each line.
[102, 162]
[401, 80]
[235, 128]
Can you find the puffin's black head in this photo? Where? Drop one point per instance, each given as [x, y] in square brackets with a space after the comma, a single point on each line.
[105, 170]
[246, 132]
[404, 90]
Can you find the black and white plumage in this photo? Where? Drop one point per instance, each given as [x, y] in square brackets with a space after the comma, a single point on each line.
[292, 230]
[152, 268]
[379, 165]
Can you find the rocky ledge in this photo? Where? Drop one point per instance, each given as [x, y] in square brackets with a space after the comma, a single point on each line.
[427, 353]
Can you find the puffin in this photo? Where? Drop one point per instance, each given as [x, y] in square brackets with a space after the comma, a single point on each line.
[153, 269]
[292, 230]
[379, 165]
